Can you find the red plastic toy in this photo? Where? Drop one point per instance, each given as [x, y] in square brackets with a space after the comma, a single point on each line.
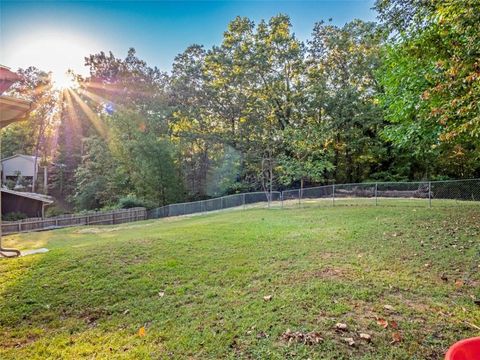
[468, 349]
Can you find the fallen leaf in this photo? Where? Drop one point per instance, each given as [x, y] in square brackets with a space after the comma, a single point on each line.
[141, 331]
[365, 336]
[396, 337]
[349, 341]
[394, 324]
[309, 338]
[389, 307]
[341, 326]
[161, 293]
[459, 283]
[267, 298]
[383, 323]
[262, 335]
[126, 312]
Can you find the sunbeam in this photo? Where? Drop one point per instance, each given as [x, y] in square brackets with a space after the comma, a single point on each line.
[91, 115]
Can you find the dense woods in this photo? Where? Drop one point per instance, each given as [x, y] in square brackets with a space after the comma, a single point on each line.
[394, 100]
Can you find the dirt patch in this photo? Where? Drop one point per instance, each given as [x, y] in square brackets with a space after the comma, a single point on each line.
[18, 342]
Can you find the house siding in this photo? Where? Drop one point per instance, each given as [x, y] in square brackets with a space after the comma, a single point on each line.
[15, 203]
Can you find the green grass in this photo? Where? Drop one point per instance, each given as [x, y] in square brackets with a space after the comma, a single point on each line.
[89, 296]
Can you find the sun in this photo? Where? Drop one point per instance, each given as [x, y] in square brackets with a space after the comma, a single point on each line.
[62, 80]
[54, 51]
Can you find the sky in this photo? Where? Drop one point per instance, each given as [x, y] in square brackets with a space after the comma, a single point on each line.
[57, 35]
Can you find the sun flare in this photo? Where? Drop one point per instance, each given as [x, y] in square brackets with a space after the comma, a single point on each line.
[63, 80]
[53, 51]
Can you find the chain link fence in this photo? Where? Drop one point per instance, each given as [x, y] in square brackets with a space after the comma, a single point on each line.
[253, 199]
[420, 193]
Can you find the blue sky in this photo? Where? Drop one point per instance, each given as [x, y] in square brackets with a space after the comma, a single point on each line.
[55, 33]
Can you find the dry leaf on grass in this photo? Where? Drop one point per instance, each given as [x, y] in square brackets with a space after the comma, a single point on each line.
[262, 335]
[383, 323]
[459, 283]
[141, 331]
[349, 341]
[396, 337]
[341, 327]
[309, 338]
[365, 336]
[389, 307]
[267, 298]
[394, 324]
[161, 293]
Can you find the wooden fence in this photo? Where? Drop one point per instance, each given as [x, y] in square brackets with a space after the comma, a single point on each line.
[93, 218]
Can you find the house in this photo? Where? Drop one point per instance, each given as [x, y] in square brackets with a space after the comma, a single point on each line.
[30, 204]
[26, 167]
[11, 110]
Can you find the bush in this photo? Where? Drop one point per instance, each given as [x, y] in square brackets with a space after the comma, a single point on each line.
[54, 211]
[132, 201]
[14, 216]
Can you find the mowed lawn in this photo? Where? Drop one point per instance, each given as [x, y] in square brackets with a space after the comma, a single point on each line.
[194, 287]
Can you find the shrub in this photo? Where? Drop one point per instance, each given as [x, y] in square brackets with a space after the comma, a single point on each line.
[132, 201]
[54, 211]
[14, 216]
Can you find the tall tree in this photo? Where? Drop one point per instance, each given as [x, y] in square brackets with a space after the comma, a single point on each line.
[343, 89]
[431, 78]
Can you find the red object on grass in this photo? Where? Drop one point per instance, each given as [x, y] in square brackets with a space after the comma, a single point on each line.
[468, 349]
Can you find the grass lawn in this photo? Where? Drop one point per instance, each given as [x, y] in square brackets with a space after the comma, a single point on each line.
[195, 287]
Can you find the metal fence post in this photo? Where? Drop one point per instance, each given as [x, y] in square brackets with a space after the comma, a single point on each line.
[299, 199]
[333, 195]
[281, 198]
[243, 197]
[429, 194]
[376, 189]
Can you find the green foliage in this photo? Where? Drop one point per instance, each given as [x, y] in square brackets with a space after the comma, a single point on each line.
[430, 79]
[264, 110]
[54, 210]
[14, 216]
[131, 201]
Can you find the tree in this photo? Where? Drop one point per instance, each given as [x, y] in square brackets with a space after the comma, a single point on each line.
[95, 177]
[255, 77]
[342, 87]
[431, 76]
[35, 135]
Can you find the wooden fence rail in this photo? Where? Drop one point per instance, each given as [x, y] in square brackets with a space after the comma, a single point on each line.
[94, 218]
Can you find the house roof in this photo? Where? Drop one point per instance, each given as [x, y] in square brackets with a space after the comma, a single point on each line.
[34, 196]
[27, 157]
[7, 78]
[12, 109]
